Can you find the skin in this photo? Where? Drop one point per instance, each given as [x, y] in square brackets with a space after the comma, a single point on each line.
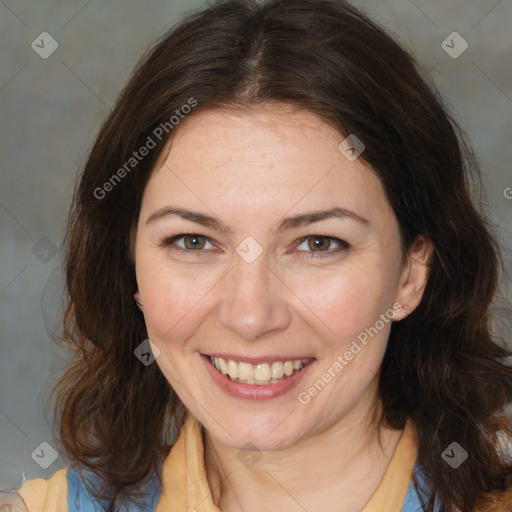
[250, 169]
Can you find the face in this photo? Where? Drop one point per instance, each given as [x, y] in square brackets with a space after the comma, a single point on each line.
[250, 275]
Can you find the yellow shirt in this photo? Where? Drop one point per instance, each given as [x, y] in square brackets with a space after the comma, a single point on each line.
[185, 486]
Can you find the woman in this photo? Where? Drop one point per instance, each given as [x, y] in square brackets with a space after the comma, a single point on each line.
[282, 205]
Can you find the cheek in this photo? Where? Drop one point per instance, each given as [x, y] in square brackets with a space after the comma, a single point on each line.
[173, 300]
[345, 301]
[337, 303]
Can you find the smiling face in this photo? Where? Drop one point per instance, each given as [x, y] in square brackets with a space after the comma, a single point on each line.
[250, 284]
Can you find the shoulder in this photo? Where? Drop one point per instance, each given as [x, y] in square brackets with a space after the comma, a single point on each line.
[66, 491]
[40, 495]
[496, 501]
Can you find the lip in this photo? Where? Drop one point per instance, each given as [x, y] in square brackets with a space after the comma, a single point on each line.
[256, 360]
[254, 391]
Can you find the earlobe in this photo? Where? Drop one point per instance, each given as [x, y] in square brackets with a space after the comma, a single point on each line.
[414, 277]
[138, 300]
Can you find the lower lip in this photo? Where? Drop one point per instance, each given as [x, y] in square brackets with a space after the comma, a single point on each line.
[255, 391]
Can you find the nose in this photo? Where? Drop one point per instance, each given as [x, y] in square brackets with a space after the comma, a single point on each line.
[253, 302]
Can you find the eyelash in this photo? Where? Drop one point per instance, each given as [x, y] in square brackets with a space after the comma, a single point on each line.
[167, 243]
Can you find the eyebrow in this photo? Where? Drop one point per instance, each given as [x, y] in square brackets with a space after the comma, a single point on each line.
[287, 223]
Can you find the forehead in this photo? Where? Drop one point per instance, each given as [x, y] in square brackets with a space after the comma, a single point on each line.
[260, 158]
[253, 133]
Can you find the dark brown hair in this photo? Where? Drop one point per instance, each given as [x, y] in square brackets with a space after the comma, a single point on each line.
[443, 369]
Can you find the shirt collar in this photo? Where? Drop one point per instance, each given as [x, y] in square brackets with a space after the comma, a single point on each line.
[185, 486]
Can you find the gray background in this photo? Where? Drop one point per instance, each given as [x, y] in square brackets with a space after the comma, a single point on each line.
[51, 110]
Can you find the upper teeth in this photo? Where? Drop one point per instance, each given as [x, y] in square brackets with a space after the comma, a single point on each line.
[257, 373]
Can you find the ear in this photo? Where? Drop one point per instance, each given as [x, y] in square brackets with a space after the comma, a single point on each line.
[414, 277]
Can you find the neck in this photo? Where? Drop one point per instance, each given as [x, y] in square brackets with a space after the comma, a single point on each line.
[318, 473]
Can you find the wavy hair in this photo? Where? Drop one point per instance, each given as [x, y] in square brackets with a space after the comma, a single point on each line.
[444, 368]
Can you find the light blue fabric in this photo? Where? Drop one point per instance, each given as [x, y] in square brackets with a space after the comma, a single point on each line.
[80, 500]
[412, 502]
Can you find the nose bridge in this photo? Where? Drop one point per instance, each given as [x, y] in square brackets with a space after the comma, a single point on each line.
[251, 303]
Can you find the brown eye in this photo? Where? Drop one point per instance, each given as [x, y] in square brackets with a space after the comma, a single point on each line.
[320, 246]
[319, 243]
[194, 241]
[187, 242]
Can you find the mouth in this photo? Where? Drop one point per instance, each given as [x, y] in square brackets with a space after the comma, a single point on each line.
[262, 373]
